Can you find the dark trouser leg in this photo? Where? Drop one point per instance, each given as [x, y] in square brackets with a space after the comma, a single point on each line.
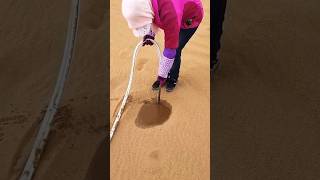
[184, 36]
[219, 7]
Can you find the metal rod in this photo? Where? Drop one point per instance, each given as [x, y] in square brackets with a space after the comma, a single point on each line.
[159, 94]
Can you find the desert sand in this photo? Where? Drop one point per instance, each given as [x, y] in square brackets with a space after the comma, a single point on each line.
[266, 94]
[146, 145]
[32, 37]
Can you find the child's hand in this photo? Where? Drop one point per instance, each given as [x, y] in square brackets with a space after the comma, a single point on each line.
[160, 82]
[146, 40]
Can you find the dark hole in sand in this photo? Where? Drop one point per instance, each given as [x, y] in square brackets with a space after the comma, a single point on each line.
[153, 114]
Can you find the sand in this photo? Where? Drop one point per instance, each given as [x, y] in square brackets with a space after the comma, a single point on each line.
[31, 48]
[175, 145]
[266, 95]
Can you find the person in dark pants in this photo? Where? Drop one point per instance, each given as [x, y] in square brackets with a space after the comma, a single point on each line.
[178, 19]
[184, 36]
[219, 7]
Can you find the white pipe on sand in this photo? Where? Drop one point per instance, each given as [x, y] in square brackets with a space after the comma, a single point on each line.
[124, 100]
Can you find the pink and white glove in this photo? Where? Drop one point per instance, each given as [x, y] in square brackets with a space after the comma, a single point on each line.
[165, 65]
[166, 62]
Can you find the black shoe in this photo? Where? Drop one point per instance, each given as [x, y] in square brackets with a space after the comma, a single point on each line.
[171, 84]
[156, 85]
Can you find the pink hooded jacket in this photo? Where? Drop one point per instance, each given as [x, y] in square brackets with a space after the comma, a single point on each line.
[173, 15]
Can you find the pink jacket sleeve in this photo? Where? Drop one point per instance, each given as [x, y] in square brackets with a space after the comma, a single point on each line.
[172, 15]
[171, 22]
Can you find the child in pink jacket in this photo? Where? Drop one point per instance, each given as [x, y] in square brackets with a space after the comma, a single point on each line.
[179, 20]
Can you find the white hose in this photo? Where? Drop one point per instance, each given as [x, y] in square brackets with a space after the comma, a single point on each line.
[124, 100]
[46, 124]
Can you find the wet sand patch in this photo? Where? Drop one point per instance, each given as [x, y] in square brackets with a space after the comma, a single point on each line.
[152, 114]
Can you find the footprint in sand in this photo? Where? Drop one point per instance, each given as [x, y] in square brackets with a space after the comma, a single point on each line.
[13, 120]
[125, 53]
[154, 155]
[152, 114]
[114, 99]
[140, 63]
